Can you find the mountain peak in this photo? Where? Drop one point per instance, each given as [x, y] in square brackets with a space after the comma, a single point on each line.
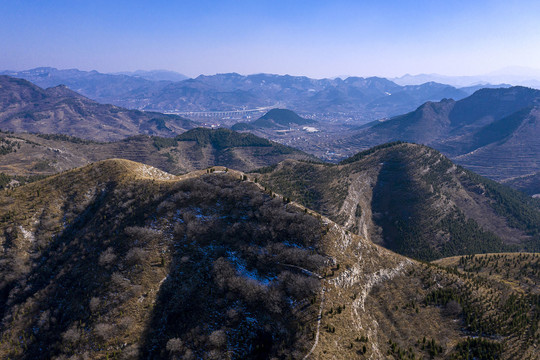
[64, 91]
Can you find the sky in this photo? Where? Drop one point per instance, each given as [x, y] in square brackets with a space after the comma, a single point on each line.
[312, 38]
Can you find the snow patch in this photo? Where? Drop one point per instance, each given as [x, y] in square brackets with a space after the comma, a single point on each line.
[241, 269]
[28, 235]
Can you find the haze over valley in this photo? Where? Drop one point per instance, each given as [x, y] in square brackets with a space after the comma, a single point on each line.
[246, 201]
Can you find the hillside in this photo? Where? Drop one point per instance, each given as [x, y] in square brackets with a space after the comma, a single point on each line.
[490, 126]
[27, 154]
[412, 200]
[107, 261]
[428, 123]
[434, 122]
[275, 119]
[24, 107]
[511, 143]
[529, 184]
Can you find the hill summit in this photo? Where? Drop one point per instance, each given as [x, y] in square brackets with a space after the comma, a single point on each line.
[275, 119]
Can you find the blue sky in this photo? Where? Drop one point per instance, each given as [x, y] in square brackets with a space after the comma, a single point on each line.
[313, 38]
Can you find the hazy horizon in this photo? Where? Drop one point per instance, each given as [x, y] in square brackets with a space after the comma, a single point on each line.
[306, 38]
[514, 72]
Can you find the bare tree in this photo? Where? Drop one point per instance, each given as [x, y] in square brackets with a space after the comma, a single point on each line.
[107, 257]
[218, 338]
[175, 345]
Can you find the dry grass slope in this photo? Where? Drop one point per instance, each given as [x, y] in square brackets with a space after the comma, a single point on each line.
[28, 154]
[119, 260]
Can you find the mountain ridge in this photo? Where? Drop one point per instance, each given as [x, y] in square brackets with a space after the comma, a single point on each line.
[26, 107]
[199, 148]
[469, 131]
[114, 264]
[529, 184]
[155, 75]
[396, 190]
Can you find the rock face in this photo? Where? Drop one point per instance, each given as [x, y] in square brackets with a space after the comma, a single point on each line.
[24, 107]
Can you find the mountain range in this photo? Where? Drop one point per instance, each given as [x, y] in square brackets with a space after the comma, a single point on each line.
[155, 75]
[375, 193]
[367, 98]
[490, 126]
[374, 257]
[129, 234]
[510, 75]
[92, 84]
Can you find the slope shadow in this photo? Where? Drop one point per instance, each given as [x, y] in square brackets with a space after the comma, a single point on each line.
[227, 293]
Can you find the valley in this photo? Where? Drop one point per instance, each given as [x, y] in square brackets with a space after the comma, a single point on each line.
[127, 234]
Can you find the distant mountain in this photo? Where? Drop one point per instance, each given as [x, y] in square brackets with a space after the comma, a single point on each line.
[511, 75]
[415, 94]
[492, 126]
[118, 259]
[155, 75]
[25, 107]
[506, 148]
[458, 81]
[474, 88]
[275, 119]
[412, 200]
[366, 98]
[373, 97]
[104, 88]
[200, 148]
